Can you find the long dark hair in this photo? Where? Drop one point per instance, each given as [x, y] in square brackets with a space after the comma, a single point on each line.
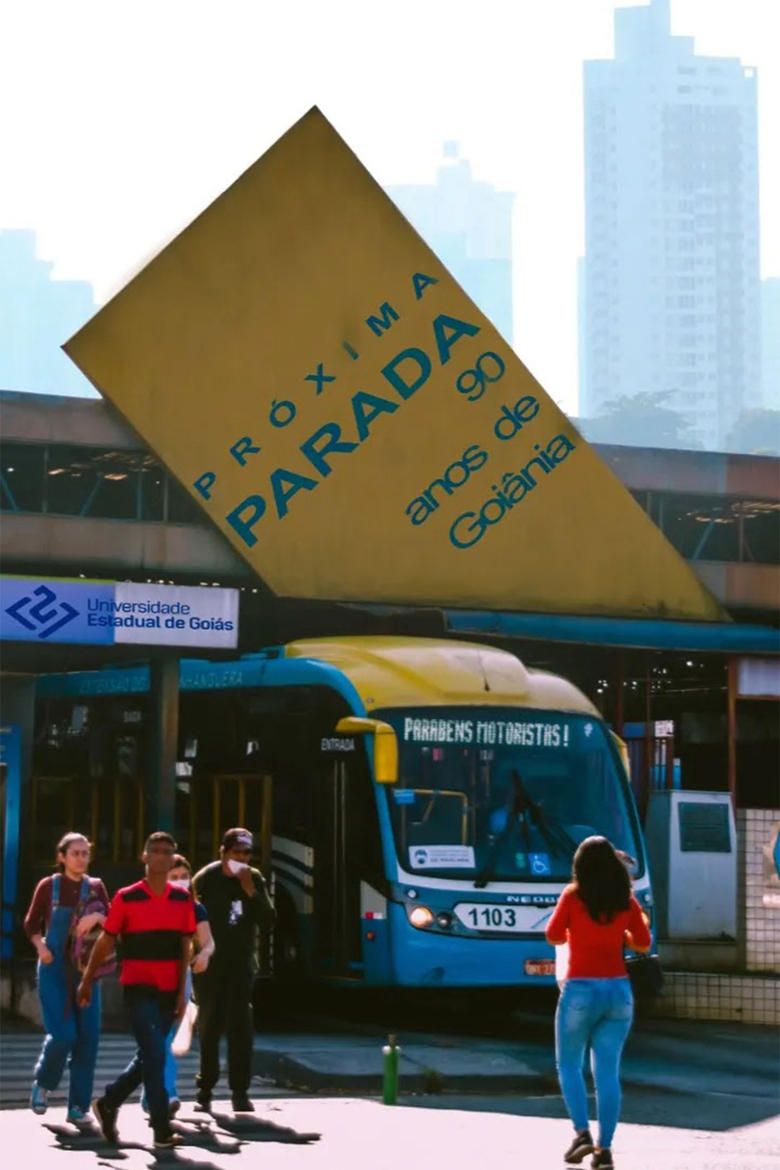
[601, 879]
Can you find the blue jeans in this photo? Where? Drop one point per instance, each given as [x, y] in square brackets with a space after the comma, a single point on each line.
[596, 1012]
[151, 1016]
[72, 1033]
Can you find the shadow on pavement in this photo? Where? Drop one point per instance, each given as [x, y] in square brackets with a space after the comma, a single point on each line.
[716, 1112]
[248, 1128]
[223, 1134]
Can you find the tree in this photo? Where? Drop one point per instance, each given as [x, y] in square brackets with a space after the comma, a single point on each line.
[640, 420]
[756, 432]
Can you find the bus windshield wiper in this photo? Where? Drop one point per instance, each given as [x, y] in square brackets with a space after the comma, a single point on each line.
[524, 808]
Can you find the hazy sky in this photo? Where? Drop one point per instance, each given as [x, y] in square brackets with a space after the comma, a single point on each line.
[122, 119]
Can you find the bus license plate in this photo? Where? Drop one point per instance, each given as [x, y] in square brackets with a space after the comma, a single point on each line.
[539, 966]
[484, 916]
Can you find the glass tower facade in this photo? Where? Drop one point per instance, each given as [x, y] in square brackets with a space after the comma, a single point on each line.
[468, 224]
[671, 281]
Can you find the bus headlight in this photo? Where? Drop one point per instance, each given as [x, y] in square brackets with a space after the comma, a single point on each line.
[420, 916]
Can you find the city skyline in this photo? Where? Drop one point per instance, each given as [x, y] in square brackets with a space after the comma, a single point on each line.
[107, 169]
[468, 224]
[671, 280]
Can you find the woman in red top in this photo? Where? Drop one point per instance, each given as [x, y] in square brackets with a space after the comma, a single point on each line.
[598, 916]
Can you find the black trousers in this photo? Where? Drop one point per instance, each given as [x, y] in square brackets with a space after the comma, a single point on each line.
[224, 997]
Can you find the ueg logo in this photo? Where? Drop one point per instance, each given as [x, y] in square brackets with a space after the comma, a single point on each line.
[45, 616]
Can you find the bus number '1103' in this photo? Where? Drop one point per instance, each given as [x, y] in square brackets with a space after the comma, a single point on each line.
[497, 917]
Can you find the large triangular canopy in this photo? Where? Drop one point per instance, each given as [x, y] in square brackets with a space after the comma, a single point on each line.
[353, 424]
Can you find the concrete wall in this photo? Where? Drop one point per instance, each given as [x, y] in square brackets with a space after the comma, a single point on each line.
[114, 546]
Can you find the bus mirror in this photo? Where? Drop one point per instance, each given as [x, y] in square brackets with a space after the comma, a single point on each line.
[385, 744]
[622, 752]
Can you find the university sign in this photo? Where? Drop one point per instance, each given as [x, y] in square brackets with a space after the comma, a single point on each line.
[352, 423]
[117, 612]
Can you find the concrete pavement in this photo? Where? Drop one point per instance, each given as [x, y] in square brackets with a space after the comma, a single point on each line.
[349, 1134]
[738, 1064]
[739, 1060]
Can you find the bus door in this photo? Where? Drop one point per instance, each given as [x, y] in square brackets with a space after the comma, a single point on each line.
[336, 880]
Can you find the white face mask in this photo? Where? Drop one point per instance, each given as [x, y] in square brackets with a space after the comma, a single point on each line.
[180, 883]
[236, 866]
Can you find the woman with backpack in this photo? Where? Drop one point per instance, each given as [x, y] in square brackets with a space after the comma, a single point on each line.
[598, 916]
[65, 907]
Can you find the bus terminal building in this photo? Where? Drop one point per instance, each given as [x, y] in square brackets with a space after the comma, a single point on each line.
[86, 507]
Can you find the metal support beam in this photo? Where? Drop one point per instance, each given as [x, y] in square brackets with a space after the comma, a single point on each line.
[703, 539]
[731, 713]
[163, 742]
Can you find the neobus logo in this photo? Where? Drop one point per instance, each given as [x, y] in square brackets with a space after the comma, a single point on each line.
[532, 899]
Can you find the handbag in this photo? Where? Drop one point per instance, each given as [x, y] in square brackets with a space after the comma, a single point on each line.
[81, 946]
[646, 975]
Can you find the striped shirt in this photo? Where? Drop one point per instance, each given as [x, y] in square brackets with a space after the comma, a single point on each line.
[151, 928]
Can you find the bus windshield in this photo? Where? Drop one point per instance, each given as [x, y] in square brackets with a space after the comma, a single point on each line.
[500, 794]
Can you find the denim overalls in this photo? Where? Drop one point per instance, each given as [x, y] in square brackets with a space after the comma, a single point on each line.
[71, 1031]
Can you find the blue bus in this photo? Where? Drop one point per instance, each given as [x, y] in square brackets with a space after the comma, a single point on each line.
[422, 798]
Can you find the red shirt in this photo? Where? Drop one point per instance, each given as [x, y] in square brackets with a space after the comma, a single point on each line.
[596, 948]
[152, 927]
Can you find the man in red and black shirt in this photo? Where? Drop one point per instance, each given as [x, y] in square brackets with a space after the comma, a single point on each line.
[155, 921]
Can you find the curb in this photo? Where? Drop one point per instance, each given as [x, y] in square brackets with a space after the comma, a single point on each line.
[287, 1073]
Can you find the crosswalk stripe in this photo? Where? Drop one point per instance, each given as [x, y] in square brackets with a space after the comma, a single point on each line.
[19, 1053]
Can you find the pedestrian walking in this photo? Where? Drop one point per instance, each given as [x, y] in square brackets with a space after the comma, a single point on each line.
[156, 922]
[180, 876]
[238, 905]
[72, 1031]
[597, 915]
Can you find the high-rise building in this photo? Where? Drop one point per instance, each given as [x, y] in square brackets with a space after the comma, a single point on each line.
[770, 342]
[37, 314]
[671, 227]
[469, 226]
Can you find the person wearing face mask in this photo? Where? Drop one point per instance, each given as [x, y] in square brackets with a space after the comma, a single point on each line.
[180, 876]
[236, 899]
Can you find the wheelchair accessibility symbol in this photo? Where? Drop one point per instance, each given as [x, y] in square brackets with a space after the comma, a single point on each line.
[540, 864]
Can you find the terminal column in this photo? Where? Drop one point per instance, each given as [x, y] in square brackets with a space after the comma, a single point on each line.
[161, 790]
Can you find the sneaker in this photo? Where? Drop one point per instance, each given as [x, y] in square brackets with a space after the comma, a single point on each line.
[166, 1139]
[602, 1160]
[174, 1105]
[39, 1098]
[105, 1116]
[242, 1104]
[203, 1101]
[582, 1145]
[80, 1117]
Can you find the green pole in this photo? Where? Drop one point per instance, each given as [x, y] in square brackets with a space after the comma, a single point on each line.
[390, 1052]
